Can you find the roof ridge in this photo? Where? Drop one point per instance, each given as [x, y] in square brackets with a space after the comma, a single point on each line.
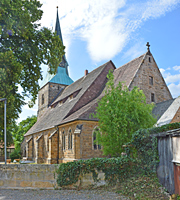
[131, 61]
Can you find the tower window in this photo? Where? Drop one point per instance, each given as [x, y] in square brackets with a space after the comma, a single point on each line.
[149, 59]
[152, 97]
[42, 99]
[150, 80]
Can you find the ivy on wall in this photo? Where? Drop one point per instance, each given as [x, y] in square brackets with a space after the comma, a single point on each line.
[141, 155]
[113, 168]
[144, 147]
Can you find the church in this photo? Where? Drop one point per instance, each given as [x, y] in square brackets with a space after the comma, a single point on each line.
[64, 131]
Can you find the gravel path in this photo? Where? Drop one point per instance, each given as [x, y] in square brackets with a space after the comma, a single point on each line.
[57, 194]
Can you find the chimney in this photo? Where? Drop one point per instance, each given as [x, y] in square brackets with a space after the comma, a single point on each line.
[85, 72]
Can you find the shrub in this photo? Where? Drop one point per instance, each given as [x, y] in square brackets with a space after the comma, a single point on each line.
[115, 169]
[16, 154]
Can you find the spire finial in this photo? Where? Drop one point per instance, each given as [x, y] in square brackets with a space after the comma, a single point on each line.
[57, 7]
[148, 45]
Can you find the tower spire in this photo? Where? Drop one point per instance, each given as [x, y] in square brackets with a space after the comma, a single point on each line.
[64, 62]
[57, 27]
[62, 76]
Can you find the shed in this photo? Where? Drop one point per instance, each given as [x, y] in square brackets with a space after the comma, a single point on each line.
[168, 170]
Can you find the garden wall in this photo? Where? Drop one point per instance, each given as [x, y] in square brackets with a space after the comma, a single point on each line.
[27, 176]
[32, 176]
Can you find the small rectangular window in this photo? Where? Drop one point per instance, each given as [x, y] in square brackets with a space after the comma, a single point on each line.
[150, 80]
[42, 99]
[152, 97]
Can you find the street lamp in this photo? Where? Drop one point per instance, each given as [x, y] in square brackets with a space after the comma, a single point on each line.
[5, 102]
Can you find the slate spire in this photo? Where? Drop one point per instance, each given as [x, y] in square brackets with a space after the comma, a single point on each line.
[64, 62]
[62, 75]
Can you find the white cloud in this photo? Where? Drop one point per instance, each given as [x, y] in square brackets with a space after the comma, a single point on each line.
[177, 68]
[134, 51]
[174, 89]
[172, 80]
[106, 25]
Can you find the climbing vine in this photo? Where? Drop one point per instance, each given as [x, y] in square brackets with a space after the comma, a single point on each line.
[115, 169]
[144, 147]
[141, 155]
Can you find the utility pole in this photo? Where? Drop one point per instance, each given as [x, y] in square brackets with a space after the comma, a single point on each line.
[5, 102]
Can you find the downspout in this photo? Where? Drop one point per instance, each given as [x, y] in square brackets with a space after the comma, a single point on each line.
[57, 129]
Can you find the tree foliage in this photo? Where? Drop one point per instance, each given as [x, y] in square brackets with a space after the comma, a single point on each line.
[24, 46]
[19, 130]
[121, 112]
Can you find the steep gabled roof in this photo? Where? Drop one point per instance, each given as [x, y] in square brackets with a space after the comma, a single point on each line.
[58, 112]
[127, 72]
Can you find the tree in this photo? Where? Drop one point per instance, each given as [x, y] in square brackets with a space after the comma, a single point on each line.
[19, 130]
[24, 46]
[121, 112]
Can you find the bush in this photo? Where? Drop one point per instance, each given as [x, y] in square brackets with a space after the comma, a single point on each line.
[115, 169]
[16, 154]
[144, 147]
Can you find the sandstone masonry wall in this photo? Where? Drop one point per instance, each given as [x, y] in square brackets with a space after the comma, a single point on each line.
[27, 176]
[148, 70]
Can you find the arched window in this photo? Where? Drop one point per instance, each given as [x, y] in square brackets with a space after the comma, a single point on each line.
[63, 141]
[70, 139]
[94, 139]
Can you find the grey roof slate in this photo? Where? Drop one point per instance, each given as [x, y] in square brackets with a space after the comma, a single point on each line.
[161, 107]
[169, 114]
[55, 115]
[58, 113]
[127, 72]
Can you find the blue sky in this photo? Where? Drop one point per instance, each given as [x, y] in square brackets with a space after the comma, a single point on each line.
[96, 31]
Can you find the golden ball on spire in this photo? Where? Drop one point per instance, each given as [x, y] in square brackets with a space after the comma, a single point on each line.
[56, 6]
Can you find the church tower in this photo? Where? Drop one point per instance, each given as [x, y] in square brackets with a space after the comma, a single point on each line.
[53, 84]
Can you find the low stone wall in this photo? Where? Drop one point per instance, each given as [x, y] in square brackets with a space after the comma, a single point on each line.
[27, 176]
[38, 176]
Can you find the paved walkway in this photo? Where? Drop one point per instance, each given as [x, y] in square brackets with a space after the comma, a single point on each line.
[57, 194]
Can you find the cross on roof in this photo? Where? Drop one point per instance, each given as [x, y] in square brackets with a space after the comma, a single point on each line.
[148, 45]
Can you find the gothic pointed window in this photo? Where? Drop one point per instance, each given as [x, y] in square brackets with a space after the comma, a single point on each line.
[70, 139]
[96, 146]
[63, 141]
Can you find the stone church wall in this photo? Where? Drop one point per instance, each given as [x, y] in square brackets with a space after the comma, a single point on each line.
[156, 86]
[50, 91]
[46, 147]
